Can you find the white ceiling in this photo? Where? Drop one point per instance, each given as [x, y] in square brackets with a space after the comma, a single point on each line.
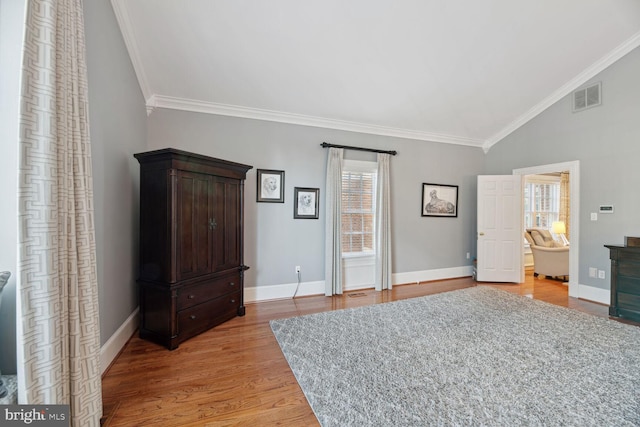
[456, 71]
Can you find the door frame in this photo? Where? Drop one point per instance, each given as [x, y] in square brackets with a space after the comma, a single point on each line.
[574, 190]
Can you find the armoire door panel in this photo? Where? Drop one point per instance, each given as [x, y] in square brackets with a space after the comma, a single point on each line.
[220, 230]
[232, 223]
[226, 236]
[194, 234]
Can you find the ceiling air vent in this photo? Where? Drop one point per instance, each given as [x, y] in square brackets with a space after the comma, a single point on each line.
[587, 97]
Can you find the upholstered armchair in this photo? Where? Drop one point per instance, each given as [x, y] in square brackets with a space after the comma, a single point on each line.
[550, 258]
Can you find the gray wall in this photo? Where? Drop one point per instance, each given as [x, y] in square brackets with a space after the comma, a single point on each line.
[275, 243]
[118, 129]
[606, 141]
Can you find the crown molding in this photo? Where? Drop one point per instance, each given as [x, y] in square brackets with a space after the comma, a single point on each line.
[566, 89]
[124, 22]
[161, 101]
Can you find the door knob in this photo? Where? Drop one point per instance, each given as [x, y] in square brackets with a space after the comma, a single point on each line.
[212, 223]
[481, 234]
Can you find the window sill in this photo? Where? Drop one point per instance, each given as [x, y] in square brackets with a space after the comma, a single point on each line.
[358, 255]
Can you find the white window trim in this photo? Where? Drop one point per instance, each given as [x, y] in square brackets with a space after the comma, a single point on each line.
[361, 166]
[359, 267]
[350, 255]
[540, 179]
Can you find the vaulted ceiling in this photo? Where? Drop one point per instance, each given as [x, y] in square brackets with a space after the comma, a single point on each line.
[454, 71]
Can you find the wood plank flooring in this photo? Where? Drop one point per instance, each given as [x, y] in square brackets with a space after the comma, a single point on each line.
[236, 375]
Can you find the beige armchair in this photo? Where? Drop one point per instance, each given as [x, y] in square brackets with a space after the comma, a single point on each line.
[550, 258]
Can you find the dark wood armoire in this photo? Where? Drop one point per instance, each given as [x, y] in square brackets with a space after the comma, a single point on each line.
[191, 267]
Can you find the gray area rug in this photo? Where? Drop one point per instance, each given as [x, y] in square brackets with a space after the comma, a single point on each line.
[473, 357]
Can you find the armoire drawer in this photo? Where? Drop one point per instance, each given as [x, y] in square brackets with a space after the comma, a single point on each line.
[192, 295]
[201, 317]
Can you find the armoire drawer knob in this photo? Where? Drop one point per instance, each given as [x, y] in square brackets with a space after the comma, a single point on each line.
[231, 284]
[192, 296]
[193, 317]
[233, 300]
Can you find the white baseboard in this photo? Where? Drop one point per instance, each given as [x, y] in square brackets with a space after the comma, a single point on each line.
[590, 293]
[265, 293]
[112, 347]
[429, 275]
[284, 291]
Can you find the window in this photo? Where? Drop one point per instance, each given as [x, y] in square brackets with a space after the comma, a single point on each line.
[358, 207]
[541, 201]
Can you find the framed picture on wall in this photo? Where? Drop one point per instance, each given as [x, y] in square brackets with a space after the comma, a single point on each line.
[306, 202]
[439, 200]
[270, 186]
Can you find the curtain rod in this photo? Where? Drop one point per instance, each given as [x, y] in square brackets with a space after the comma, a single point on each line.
[373, 150]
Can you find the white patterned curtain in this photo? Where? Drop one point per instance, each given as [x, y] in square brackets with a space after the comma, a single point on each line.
[58, 280]
[333, 230]
[383, 225]
[565, 202]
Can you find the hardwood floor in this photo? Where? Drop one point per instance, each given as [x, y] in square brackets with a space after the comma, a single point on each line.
[236, 375]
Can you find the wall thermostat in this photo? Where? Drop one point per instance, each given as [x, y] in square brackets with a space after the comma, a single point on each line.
[606, 209]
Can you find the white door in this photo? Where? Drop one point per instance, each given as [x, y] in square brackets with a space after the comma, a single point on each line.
[500, 232]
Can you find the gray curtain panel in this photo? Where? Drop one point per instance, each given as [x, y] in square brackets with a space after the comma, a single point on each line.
[383, 225]
[333, 230]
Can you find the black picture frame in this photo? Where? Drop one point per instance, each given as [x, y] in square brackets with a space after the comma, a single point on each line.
[306, 203]
[270, 186]
[439, 200]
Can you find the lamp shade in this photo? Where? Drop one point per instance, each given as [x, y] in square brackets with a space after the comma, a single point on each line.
[558, 227]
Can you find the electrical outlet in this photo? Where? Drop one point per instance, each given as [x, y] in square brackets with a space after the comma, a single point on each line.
[600, 274]
[297, 269]
[593, 272]
[468, 255]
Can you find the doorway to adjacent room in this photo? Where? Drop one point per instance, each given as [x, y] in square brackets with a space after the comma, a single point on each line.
[573, 168]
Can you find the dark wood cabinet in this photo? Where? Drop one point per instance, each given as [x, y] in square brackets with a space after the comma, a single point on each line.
[625, 282]
[191, 271]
